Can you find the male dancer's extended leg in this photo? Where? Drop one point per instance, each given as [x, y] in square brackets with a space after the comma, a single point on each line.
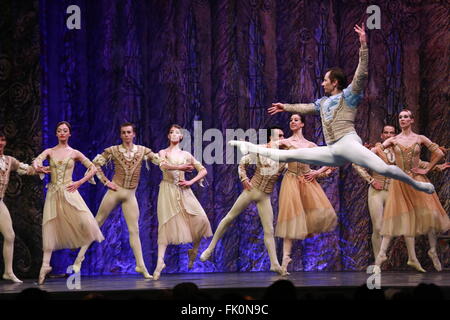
[109, 202]
[320, 156]
[350, 148]
[130, 210]
[240, 205]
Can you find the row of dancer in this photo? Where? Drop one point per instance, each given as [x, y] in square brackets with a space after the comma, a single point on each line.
[304, 208]
[68, 222]
[337, 110]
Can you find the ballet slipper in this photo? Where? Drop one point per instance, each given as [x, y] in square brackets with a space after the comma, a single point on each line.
[192, 254]
[144, 272]
[242, 145]
[278, 269]
[416, 265]
[12, 277]
[158, 270]
[43, 273]
[76, 267]
[381, 258]
[434, 257]
[205, 255]
[284, 264]
[425, 187]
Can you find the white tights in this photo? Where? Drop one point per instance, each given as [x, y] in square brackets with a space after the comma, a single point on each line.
[130, 211]
[347, 149]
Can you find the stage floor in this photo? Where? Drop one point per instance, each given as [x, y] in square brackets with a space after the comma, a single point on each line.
[218, 284]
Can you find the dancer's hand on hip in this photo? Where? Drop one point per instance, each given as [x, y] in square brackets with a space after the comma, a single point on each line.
[111, 185]
[420, 171]
[247, 185]
[73, 186]
[310, 176]
[185, 183]
[377, 185]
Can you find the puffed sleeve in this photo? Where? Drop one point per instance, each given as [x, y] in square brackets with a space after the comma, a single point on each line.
[153, 157]
[88, 164]
[101, 160]
[198, 166]
[21, 168]
[243, 164]
[362, 172]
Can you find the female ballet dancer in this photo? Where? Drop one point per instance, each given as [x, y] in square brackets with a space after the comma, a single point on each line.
[338, 112]
[410, 213]
[304, 208]
[181, 217]
[67, 221]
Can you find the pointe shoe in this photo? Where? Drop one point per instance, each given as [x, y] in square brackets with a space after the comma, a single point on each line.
[434, 257]
[76, 267]
[284, 264]
[158, 270]
[416, 265]
[144, 272]
[12, 277]
[192, 254]
[43, 273]
[205, 255]
[380, 259]
[425, 187]
[278, 269]
[242, 145]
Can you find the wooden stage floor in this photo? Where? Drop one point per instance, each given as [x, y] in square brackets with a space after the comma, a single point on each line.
[216, 285]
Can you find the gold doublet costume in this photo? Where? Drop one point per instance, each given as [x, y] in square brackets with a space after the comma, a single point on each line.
[266, 173]
[388, 156]
[127, 167]
[9, 164]
[181, 217]
[304, 208]
[409, 212]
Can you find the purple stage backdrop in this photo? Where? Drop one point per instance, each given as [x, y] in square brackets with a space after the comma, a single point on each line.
[223, 63]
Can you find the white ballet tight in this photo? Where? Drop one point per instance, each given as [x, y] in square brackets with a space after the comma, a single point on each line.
[265, 214]
[347, 149]
[130, 211]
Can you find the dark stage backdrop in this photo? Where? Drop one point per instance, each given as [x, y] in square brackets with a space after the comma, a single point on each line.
[222, 63]
[20, 99]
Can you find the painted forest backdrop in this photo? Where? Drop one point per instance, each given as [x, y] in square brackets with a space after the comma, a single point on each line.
[222, 63]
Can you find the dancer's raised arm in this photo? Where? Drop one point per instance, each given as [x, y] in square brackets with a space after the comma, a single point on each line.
[361, 74]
